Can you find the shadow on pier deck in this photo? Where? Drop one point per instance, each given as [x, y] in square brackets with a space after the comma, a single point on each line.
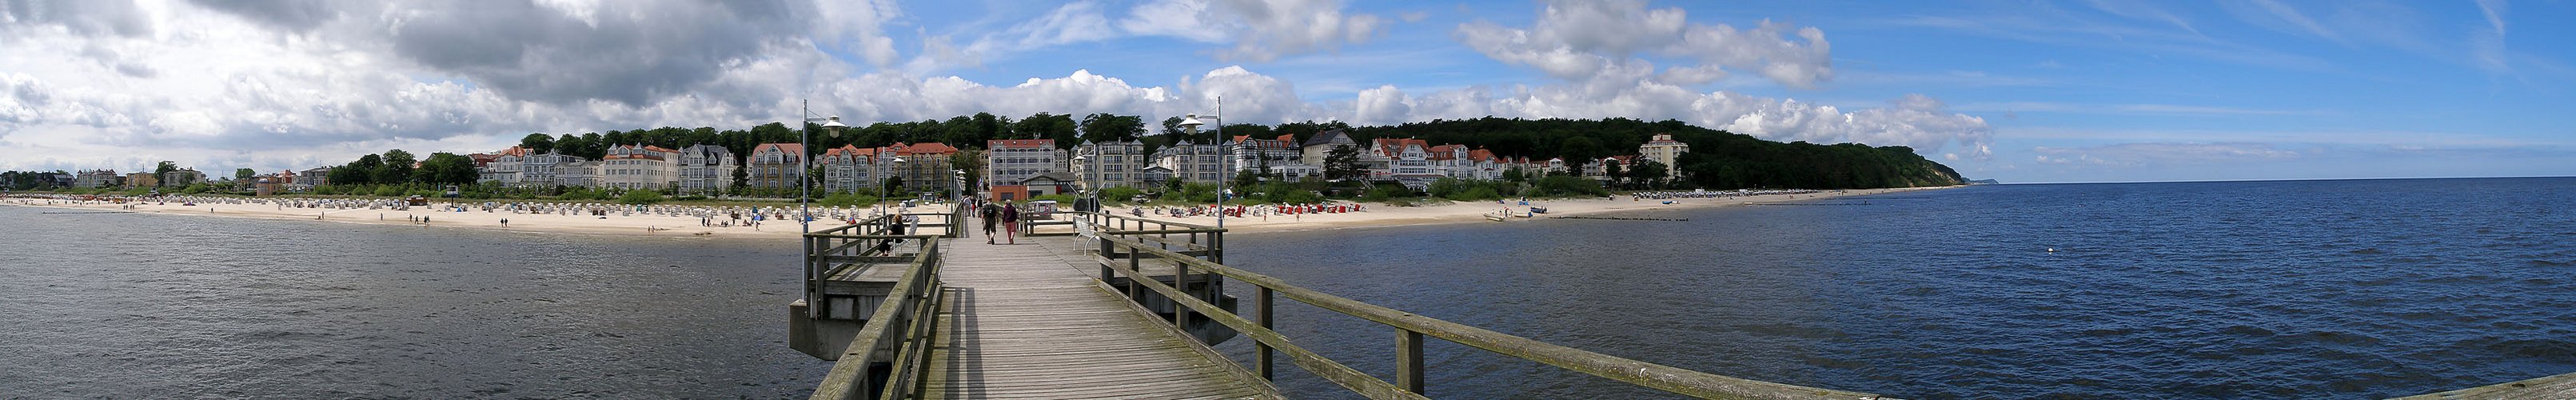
[948, 318]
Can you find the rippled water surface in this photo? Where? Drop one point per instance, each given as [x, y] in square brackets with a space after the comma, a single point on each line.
[158, 306]
[2334, 289]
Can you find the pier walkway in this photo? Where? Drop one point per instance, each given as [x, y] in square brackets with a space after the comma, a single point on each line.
[1108, 306]
[1026, 321]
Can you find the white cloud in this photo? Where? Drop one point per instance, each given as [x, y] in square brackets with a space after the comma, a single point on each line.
[1574, 39]
[286, 85]
[1260, 30]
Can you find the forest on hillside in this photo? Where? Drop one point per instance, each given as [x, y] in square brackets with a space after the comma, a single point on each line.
[1717, 159]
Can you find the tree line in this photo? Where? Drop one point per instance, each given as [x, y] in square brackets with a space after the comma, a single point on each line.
[1717, 159]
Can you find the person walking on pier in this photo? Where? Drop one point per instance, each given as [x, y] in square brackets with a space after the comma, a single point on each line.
[992, 216]
[1011, 221]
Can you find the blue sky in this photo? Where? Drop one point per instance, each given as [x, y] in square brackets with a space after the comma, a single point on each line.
[2023, 91]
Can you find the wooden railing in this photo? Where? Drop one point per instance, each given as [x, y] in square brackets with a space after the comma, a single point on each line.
[1136, 239]
[901, 330]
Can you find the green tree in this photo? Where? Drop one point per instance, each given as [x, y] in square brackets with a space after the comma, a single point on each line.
[741, 178]
[1515, 174]
[1649, 173]
[1611, 168]
[640, 197]
[396, 169]
[447, 169]
[1062, 128]
[537, 143]
[358, 172]
[1343, 162]
[1106, 127]
[244, 173]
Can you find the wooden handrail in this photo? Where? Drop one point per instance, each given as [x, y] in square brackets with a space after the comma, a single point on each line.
[914, 303]
[1411, 327]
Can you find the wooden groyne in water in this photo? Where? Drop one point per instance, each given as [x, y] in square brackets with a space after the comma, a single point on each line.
[1618, 218]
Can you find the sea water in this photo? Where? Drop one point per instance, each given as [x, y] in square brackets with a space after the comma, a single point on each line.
[137, 306]
[2334, 289]
[2339, 289]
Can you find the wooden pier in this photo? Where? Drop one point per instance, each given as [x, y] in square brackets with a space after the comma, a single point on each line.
[952, 317]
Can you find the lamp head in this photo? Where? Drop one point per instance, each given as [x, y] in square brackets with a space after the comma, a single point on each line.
[1191, 122]
[834, 126]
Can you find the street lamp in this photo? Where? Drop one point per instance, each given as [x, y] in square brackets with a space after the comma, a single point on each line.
[805, 166]
[881, 186]
[1081, 177]
[1191, 123]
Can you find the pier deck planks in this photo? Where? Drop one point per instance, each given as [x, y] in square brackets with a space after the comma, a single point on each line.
[1028, 321]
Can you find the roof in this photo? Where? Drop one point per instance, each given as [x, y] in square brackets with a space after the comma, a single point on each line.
[1327, 137]
[1394, 147]
[708, 149]
[1018, 143]
[1665, 140]
[923, 148]
[1480, 155]
[849, 150]
[781, 147]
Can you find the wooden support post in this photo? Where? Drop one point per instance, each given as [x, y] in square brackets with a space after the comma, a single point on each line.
[1181, 314]
[1408, 360]
[1135, 293]
[1263, 360]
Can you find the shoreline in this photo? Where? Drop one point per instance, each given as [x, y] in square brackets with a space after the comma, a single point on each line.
[654, 225]
[1381, 215]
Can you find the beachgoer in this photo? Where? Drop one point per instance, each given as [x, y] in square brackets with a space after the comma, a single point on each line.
[992, 215]
[505, 222]
[1011, 221]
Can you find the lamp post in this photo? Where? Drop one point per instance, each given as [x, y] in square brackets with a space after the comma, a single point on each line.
[881, 186]
[1080, 178]
[805, 165]
[1191, 123]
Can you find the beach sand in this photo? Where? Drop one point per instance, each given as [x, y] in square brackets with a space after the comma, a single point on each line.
[1473, 211]
[1378, 215]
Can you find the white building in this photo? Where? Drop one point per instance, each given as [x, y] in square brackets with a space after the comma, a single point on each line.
[776, 165]
[1200, 163]
[1007, 162]
[577, 173]
[849, 168]
[639, 167]
[706, 168]
[541, 170]
[1103, 165]
[1279, 156]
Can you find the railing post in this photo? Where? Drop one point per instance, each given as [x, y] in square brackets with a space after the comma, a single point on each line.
[1181, 314]
[813, 308]
[1263, 360]
[1408, 360]
[1135, 293]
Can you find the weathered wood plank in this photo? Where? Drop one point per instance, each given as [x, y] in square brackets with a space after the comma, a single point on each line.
[1028, 321]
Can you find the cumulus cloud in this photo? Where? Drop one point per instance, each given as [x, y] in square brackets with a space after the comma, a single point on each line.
[1575, 39]
[294, 84]
[1260, 30]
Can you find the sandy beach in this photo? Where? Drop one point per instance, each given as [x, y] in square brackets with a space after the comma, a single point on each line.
[1473, 212]
[644, 224]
